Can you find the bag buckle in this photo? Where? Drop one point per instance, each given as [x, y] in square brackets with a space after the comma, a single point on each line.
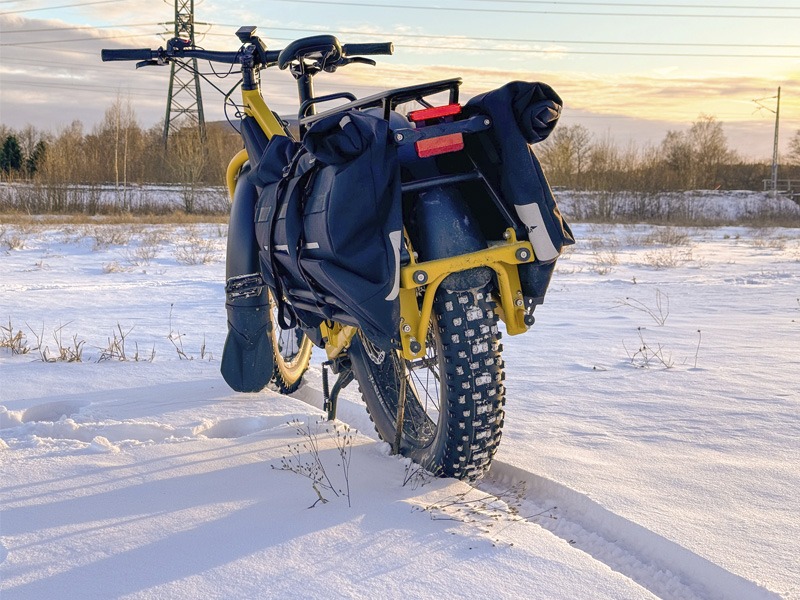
[244, 286]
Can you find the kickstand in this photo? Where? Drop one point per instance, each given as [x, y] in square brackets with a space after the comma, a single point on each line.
[401, 413]
[331, 396]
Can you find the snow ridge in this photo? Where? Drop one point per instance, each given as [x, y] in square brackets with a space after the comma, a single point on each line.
[661, 566]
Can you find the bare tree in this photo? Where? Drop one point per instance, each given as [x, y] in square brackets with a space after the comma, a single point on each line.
[678, 153]
[694, 157]
[187, 158]
[794, 149]
[604, 164]
[565, 155]
[710, 151]
[117, 135]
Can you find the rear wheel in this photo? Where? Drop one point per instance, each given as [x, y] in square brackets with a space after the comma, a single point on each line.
[453, 414]
[292, 353]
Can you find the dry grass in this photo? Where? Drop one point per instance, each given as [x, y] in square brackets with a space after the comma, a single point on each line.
[648, 355]
[196, 250]
[11, 241]
[667, 258]
[15, 342]
[173, 218]
[115, 267]
[110, 236]
[666, 236]
[147, 250]
[659, 311]
[115, 349]
[63, 350]
[603, 262]
[767, 239]
[610, 242]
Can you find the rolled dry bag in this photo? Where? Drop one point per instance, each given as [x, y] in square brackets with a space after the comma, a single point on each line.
[524, 113]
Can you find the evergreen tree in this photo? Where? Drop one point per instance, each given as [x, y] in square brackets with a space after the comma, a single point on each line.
[10, 155]
[36, 158]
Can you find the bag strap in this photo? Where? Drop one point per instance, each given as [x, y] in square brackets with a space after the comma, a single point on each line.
[296, 196]
[287, 318]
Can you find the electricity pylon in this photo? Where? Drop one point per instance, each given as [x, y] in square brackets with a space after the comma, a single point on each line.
[184, 98]
[777, 112]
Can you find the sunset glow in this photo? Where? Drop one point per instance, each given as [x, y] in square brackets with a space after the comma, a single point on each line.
[631, 70]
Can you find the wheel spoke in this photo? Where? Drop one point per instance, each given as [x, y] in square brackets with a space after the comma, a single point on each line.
[292, 352]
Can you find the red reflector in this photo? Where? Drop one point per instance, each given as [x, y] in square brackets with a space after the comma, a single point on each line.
[435, 112]
[440, 145]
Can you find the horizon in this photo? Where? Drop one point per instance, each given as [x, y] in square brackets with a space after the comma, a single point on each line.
[628, 71]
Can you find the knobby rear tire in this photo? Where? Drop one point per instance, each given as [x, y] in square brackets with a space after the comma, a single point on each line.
[454, 397]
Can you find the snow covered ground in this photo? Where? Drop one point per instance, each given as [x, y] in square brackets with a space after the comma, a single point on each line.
[651, 445]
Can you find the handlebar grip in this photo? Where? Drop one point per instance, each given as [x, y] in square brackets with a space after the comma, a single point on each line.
[127, 54]
[370, 48]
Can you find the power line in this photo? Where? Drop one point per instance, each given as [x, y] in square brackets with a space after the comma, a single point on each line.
[595, 52]
[80, 27]
[540, 12]
[550, 52]
[405, 35]
[421, 36]
[643, 5]
[53, 63]
[390, 35]
[82, 86]
[26, 10]
[89, 39]
[562, 52]
[489, 39]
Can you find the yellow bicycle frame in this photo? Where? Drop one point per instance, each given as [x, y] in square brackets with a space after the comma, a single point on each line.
[418, 280]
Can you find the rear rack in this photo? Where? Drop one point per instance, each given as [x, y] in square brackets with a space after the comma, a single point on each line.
[390, 99]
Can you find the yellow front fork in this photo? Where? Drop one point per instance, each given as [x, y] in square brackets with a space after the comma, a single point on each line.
[254, 106]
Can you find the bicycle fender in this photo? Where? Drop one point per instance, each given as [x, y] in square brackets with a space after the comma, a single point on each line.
[447, 229]
[248, 359]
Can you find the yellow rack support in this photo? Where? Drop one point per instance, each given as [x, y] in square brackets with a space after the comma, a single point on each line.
[502, 259]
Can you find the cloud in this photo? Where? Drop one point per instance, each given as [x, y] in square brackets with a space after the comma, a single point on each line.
[51, 84]
[633, 106]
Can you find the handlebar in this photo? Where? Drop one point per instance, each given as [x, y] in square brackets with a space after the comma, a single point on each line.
[177, 48]
[375, 48]
[162, 55]
[127, 54]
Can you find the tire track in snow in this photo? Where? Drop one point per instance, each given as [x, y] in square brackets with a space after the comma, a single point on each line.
[661, 566]
[94, 288]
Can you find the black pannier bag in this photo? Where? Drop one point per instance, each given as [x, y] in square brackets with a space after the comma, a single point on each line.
[522, 113]
[329, 225]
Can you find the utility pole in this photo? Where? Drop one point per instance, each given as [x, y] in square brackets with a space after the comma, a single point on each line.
[775, 147]
[777, 111]
[184, 98]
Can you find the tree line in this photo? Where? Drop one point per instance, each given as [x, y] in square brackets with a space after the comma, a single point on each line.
[697, 158]
[117, 151]
[120, 152]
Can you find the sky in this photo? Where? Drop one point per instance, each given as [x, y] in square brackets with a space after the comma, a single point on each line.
[627, 70]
